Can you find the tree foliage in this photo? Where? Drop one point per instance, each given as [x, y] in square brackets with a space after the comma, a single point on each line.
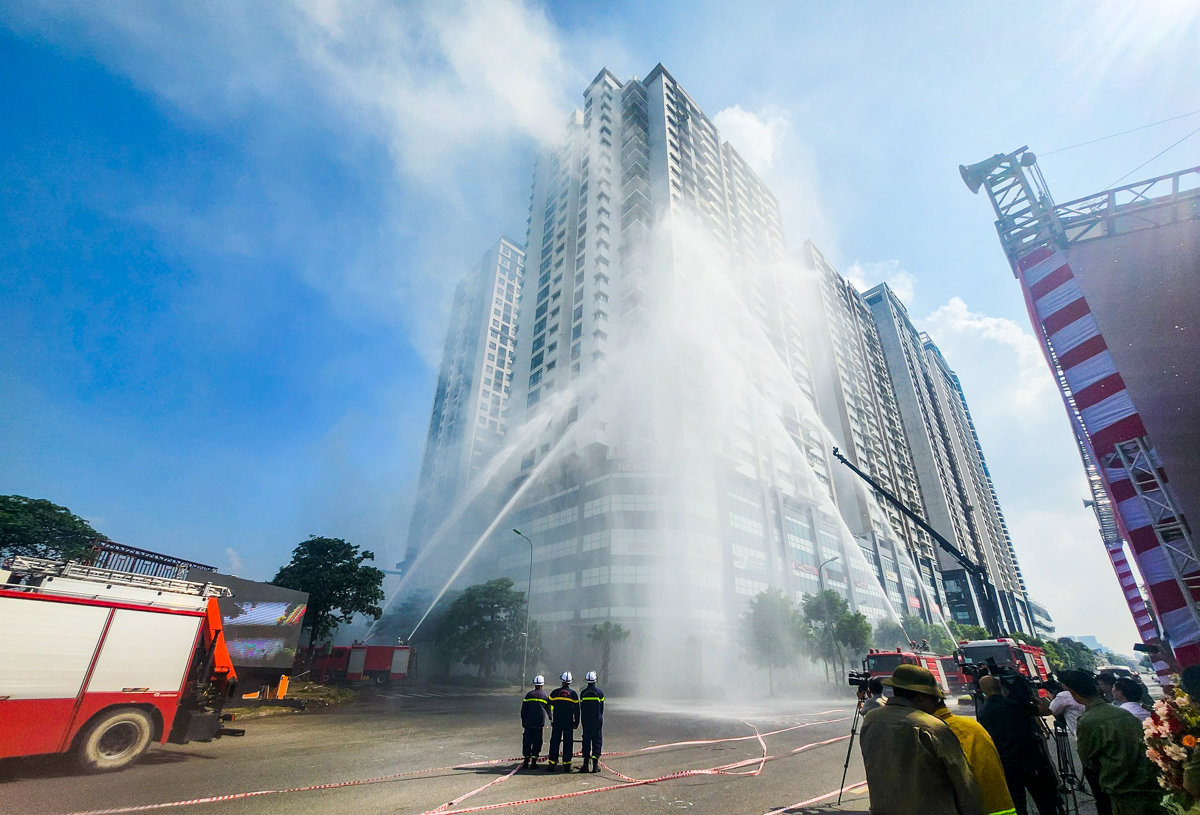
[338, 583]
[606, 635]
[854, 633]
[771, 632]
[912, 628]
[831, 632]
[485, 626]
[35, 527]
[1063, 653]
[965, 631]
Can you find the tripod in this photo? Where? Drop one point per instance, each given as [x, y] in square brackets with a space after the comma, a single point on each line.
[850, 746]
[1068, 780]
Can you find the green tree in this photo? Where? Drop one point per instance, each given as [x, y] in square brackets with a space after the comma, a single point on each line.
[606, 635]
[963, 631]
[771, 633]
[34, 527]
[854, 634]
[1069, 654]
[890, 634]
[485, 626]
[823, 628]
[338, 583]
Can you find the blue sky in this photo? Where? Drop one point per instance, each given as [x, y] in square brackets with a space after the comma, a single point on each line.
[229, 232]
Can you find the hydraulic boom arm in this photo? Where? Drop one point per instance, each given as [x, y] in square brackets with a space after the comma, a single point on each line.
[972, 568]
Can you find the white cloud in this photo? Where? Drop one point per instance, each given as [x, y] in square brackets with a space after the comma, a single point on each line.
[1028, 383]
[756, 137]
[432, 79]
[439, 78]
[236, 566]
[430, 108]
[1030, 450]
[866, 275]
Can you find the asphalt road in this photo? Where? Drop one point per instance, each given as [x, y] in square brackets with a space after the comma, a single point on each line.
[401, 733]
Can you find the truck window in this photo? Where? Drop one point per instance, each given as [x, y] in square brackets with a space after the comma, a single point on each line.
[886, 663]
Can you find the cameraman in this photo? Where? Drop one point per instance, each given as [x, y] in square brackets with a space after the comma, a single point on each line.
[1015, 726]
[872, 695]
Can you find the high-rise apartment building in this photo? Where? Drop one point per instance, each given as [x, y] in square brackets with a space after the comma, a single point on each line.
[858, 405]
[682, 467]
[960, 501]
[468, 423]
[679, 384]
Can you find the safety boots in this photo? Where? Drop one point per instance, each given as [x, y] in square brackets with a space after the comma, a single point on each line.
[595, 765]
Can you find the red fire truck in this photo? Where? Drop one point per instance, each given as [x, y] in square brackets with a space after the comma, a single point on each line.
[380, 664]
[100, 662]
[1028, 660]
[882, 663]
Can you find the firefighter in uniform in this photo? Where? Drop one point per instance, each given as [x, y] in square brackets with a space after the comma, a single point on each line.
[535, 712]
[591, 716]
[564, 718]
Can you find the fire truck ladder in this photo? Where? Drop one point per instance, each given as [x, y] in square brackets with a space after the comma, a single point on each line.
[44, 567]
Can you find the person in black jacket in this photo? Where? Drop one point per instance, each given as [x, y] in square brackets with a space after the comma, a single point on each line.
[591, 716]
[1014, 726]
[535, 712]
[564, 707]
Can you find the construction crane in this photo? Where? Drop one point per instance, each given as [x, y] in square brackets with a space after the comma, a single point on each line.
[984, 589]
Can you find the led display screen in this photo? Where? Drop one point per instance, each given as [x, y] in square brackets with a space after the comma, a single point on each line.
[262, 622]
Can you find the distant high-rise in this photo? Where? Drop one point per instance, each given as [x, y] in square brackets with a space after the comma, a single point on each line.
[468, 423]
[858, 404]
[1043, 623]
[956, 488]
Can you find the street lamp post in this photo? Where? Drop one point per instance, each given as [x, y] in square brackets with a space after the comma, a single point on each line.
[528, 595]
[821, 570]
[821, 584]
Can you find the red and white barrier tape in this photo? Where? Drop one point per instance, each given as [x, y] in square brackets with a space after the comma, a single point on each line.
[819, 798]
[722, 770]
[462, 798]
[235, 796]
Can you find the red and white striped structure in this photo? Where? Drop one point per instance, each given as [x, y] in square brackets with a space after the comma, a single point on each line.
[1110, 432]
[1117, 440]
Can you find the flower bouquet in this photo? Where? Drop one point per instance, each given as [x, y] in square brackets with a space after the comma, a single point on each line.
[1171, 734]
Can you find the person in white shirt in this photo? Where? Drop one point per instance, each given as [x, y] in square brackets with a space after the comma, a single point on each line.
[1064, 704]
[1128, 695]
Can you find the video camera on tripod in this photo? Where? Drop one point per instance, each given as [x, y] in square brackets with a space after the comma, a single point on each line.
[859, 680]
[1016, 685]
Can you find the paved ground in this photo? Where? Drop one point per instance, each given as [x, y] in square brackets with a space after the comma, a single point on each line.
[405, 731]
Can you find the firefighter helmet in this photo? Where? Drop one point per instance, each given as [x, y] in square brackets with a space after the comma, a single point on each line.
[590, 676]
[539, 680]
[566, 677]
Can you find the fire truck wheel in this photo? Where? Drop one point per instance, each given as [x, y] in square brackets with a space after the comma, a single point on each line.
[114, 740]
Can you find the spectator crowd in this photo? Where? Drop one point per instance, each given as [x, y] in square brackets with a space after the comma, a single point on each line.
[922, 759]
